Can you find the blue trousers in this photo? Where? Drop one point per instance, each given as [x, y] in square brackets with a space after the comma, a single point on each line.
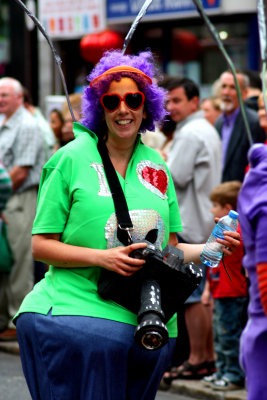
[227, 328]
[84, 358]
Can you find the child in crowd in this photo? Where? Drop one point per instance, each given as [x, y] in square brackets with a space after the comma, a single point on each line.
[230, 300]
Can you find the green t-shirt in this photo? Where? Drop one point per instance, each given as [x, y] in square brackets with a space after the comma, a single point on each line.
[74, 199]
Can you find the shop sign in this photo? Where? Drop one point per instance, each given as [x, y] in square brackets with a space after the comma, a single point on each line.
[68, 19]
[126, 10]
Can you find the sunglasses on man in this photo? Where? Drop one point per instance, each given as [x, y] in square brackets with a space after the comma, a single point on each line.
[112, 101]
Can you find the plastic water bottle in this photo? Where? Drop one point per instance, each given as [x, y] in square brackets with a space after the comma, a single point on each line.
[211, 254]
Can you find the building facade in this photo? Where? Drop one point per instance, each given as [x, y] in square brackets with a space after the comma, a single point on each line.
[173, 29]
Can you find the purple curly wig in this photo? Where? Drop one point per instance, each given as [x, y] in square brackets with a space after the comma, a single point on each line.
[92, 110]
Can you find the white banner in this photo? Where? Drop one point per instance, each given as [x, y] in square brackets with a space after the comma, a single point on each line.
[69, 19]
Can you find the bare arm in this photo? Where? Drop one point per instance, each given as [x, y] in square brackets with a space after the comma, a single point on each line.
[48, 248]
[18, 176]
[192, 251]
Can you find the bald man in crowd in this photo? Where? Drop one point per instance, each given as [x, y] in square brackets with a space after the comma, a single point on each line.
[22, 152]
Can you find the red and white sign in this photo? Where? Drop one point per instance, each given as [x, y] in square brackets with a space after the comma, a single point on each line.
[68, 19]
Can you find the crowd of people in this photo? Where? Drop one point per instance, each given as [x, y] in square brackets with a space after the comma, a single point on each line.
[204, 359]
[188, 175]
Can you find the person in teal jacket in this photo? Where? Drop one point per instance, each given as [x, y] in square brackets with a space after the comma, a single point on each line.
[5, 188]
[6, 255]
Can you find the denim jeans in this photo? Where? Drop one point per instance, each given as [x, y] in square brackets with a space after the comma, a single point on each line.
[227, 328]
[86, 358]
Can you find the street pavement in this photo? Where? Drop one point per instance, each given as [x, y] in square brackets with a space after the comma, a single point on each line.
[182, 388]
[12, 382]
[198, 390]
[13, 385]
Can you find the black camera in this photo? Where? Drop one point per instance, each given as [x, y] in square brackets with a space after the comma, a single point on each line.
[153, 292]
[151, 331]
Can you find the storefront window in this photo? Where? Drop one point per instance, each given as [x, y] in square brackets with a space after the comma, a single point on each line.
[196, 55]
[234, 38]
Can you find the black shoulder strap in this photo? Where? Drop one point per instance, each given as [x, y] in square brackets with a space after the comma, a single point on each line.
[124, 220]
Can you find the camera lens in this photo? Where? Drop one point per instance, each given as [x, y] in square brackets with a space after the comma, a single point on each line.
[152, 340]
[151, 332]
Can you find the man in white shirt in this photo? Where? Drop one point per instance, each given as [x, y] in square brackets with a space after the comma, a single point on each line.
[194, 161]
[22, 151]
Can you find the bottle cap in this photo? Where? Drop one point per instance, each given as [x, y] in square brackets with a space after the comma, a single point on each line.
[233, 214]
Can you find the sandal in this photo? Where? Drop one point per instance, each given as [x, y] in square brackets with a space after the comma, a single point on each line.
[170, 375]
[165, 382]
[189, 371]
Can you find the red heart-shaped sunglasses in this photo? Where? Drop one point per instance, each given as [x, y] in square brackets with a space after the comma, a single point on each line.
[133, 100]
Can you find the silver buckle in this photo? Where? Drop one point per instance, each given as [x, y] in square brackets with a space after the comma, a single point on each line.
[130, 239]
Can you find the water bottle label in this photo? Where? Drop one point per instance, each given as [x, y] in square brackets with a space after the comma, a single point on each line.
[218, 235]
[219, 229]
[218, 232]
[205, 261]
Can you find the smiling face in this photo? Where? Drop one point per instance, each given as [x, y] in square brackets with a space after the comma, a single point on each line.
[123, 123]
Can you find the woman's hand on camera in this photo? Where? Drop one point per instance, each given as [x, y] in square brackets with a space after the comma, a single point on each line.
[118, 260]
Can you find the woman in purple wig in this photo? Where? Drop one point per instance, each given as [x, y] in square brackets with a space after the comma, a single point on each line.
[74, 344]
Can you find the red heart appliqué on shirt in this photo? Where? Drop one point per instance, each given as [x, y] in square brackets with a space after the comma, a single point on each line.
[157, 178]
